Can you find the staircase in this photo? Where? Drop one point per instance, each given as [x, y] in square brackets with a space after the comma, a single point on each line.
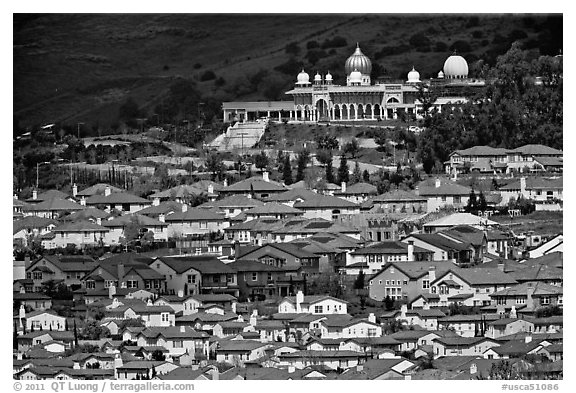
[240, 136]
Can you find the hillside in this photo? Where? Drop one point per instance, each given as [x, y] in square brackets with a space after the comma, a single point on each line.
[81, 68]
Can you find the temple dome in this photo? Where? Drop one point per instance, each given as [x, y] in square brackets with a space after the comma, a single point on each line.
[317, 77]
[455, 67]
[413, 76]
[303, 78]
[328, 76]
[358, 61]
[440, 75]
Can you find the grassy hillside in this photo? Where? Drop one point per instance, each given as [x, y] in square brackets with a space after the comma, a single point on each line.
[81, 68]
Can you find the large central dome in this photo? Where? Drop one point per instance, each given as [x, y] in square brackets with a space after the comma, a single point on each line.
[358, 61]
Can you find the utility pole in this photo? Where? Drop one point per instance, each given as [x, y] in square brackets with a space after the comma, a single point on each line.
[79, 124]
[37, 166]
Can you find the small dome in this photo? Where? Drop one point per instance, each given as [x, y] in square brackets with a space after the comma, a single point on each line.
[303, 78]
[456, 67]
[355, 76]
[358, 61]
[328, 76]
[317, 77]
[440, 74]
[413, 76]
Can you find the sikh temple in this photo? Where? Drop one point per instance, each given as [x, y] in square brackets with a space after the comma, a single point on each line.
[322, 100]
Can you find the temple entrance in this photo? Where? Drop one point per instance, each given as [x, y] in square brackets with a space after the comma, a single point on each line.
[322, 108]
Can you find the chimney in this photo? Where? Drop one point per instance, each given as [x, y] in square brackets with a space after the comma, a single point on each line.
[233, 307]
[371, 317]
[225, 182]
[117, 363]
[265, 176]
[236, 249]
[161, 217]
[513, 312]
[156, 202]
[437, 184]
[253, 318]
[522, 185]
[180, 293]
[184, 208]
[407, 377]
[528, 338]
[501, 267]
[359, 368]
[291, 369]
[210, 189]
[473, 369]
[107, 191]
[343, 187]
[182, 329]
[432, 274]
[19, 355]
[115, 302]
[98, 221]
[83, 201]
[410, 250]
[403, 311]
[215, 374]
[120, 273]
[15, 196]
[426, 306]
[22, 312]
[22, 289]
[74, 190]
[111, 291]
[35, 194]
[299, 301]
[149, 303]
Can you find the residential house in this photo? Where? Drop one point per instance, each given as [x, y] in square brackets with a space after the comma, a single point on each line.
[194, 222]
[163, 208]
[551, 324]
[553, 245]
[51, 208]
[357, 192]
[443, 248]
[184, 305]
[554, 352]
[443, 193]
[34, 300]
[196, 274]
[117, 227]
[45, 320]
[282, 255]
[120, 201]
[356, 328]
[426, 318]
[178, 340]
[379, 369]
[27, 229]
[78, 234]
[96, 189]
[257, 280]
[396, 201]
[69, 269]
[524, 157]
[484, 159]
[141, 368]
[292, 196]
[506, 326]
[377, 255]
[515, 348]
[240, 351]
[405, 281]
[31, 339]
[233, 205]
[231, 328]
[467, 325]
[462, 346]
[313, 304]
[455, 219]
[527, 297]
[272, 210]
[545, 192]
[327, 207]
[255, 186]
[330, 359]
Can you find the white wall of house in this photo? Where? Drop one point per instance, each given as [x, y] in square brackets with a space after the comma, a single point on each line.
[474, 350]
[178, 228]
[357, 330]
[47, 321]
[434, 203]
[79, 239]
[329, 214]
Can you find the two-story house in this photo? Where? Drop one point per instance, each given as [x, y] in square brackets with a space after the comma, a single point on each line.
[377, 255]
[69, 269]
[194, 222]
[283, 255]
[443, 193]
[527, 297]
[117, 226]
[327, 207]
[257, 280]
[313, 304]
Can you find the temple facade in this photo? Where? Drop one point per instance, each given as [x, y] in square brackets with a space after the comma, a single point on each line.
[360, 99]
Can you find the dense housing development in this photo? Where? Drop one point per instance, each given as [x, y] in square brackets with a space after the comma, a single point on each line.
[224, 267]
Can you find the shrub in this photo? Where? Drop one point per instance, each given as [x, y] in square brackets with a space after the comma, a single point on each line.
[207, 76]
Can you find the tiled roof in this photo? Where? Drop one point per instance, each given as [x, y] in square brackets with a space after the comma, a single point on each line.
[358, 188]
[536, 183]
[97, 189]
[256, 184]
[536, 150]
[428, 188]
[479, 276]
[180, 191]
[32, 222]
[325, 202]
[481, 151]
[537, 289]
[273, 208]
[233, 201]
[205, 264]
[87, 213]
[292, 195]
[54, 205]
[163, 208]
[253, 266]
[122, 221]
[50, 194]
[239, 346]
[441, 242]
[117, 198]
[460, 219]
[415, 270]
[388, 247]
[80, 226]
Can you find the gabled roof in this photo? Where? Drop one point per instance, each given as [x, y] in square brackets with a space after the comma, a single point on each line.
[462, 341]
[214, 298]
[428, 188]
[311, 299]
[292, 195]
[396, 196]
[481, 151]
[517, 347]
[535, 183]
[536, 150]
[98, 189]
[272, 208]
[165, 207]
[180, 191]
[288, 248]
[122, 221]
[233, 201]
[478, 276]
[440, 241]
[415, 270]
[54, 204]
[253, 266]
[359, 188]
[239, 345]
[537, 273]
[32, 222]
[465, 233]
[193, 214]
[389, 247]
[256, 184]
[325, 202]
[205, 264]
[117, 198]
[537, 289]
[374, 368]
[85, 214]
[80, 226]
[459, 219]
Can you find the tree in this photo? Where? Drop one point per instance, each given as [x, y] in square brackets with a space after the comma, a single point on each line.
[93, 331]
[329, 171]
[343, 171]
[303, 159]
[327, 142]
[75, 334]
[359, 282]
[472, 204]
[158, 356]
[287, 170]
[357, 174]
[215, 166]
[323, 156]
[388, 303]
[351, 148]
[366, 176]
[131, 232]
[482, 204]
[261, 160]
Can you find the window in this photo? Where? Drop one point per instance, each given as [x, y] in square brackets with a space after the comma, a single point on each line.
[457, 199]
[269, 276]
[317, 309]
[444, 290]
[164, 316]
[520, 300]
[371, 282]
[254, 276]
[132, 284]
[148, 284]
[425, 284]
[109, 283]
[229, 278]
[177, 343]
[545, 300]
[500, 300]
[405, 282]
[37, 275]
[90, 284]
[216, 278]
[191, 279]
[387, 282]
